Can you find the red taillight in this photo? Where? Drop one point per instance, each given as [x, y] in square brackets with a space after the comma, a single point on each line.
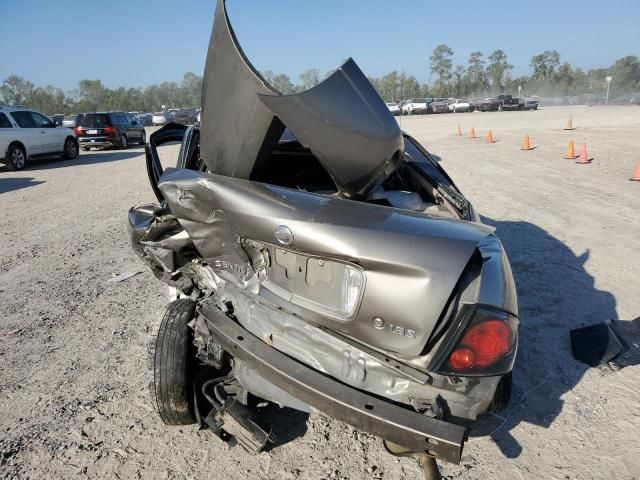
[483, 345]
[77, 131]
[462, 358]
[110, 130]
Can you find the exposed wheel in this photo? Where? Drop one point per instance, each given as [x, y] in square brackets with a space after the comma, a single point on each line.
[123, 142]
[70, 149]
[143, 138]
[172, 363]
[16, 158]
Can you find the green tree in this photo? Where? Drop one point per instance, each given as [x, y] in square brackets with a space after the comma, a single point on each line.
[441, 67]
[310, 78]
[497, 69]
[408, 87]
[626, 74]
[476, 72]
[16, 90]
[545, 64]
[389, 87]
[282, 83]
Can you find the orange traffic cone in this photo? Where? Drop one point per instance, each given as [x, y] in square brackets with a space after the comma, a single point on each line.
[526, 145]
[472, 133]
[490, 137]
[570, 123]
[636, 176]
[458, 131]
[571, 153]
[583, 155]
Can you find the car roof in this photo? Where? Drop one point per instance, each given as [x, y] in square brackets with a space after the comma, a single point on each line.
[14, 108]
[100, 113]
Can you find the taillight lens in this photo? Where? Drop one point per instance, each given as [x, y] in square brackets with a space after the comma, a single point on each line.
[77, 131]
[110, 130]
[483, 345]
[486, 347]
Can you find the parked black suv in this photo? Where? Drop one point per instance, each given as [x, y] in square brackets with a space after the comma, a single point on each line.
[110, 129]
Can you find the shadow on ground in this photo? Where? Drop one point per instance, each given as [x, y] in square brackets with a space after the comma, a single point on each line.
[286, 424]
[10, 184]
[556, 294]
[83, 159]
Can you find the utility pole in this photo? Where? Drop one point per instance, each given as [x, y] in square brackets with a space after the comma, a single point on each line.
[608, 79]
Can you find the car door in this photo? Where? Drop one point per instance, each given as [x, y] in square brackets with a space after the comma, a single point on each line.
[133, 132]
[52, 137]
[28, 133]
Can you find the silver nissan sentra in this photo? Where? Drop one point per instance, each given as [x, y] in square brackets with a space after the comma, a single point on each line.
[322, 260]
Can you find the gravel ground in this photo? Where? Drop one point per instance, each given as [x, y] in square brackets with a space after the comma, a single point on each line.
[73, 401]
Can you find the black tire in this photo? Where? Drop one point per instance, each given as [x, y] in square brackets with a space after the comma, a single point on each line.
[16, 158]
[143, 138]
[70, 149]
[172, 362]
[124, 144]
[503, 393]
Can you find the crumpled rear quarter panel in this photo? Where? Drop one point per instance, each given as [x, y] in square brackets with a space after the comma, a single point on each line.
[412, 261]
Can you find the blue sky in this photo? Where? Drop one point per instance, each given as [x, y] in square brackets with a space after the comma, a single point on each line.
[136, 43]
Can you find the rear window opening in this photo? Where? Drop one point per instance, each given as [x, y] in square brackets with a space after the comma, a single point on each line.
[93, 120]
[293, 166]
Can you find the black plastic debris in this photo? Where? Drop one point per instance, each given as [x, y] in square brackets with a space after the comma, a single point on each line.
[613, 342]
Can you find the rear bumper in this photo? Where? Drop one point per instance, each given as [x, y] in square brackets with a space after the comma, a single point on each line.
[387, 420]
[96, 142]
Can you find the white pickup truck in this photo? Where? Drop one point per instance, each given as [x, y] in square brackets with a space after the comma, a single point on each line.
[26, 134]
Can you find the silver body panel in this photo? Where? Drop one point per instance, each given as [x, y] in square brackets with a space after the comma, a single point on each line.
[412, 261]
[346, 124]
[267, 256]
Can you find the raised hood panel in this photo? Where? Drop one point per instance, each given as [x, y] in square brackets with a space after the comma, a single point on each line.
[412, 262]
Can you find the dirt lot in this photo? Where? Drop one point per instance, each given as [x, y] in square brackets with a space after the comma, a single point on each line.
[73, 402]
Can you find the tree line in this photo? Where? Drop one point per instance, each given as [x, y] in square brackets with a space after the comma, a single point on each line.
[492, 75]
[480, 77]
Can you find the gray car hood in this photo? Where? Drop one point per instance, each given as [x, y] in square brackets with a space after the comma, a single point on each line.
[342, 120]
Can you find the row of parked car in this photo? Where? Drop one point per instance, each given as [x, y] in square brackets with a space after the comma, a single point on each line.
[414, 106]
[26, 134]
[186, 116]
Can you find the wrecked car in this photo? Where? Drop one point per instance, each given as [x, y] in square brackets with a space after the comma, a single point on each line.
[321, 260]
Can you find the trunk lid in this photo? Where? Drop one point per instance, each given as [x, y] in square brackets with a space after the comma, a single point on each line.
[411, 262]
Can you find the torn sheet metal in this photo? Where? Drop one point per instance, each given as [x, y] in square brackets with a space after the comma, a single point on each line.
[234, 122]
[348, 127]
[344, 361]
[424, 265]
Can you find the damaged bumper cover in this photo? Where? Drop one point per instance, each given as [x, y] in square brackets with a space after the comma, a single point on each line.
[416, 432]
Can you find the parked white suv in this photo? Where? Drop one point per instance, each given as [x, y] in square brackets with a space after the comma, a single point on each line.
[25, 134]
[458, 105]
[416, 105]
